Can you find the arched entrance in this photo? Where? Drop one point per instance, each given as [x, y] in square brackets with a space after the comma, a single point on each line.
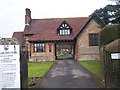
[64, 50]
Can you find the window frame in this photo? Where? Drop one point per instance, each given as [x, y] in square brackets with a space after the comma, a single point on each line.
[93, 39]
[64, 32]
[64, 29]
[39, 47]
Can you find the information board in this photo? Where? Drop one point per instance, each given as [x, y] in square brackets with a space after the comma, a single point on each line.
[9, 66]
[115, 56]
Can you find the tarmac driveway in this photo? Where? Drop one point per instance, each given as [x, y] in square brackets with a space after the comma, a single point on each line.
[68, 74]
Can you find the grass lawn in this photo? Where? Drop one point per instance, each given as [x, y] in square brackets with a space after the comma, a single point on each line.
[94, 66]
[38, 70]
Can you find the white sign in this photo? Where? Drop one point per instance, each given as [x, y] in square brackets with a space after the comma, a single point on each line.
[9, 66]
[115, 56]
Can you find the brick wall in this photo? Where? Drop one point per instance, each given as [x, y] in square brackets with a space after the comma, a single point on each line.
[83, 50]
[47, 55]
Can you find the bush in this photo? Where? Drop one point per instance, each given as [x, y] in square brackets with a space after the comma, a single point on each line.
[109, 39]
[109, 34]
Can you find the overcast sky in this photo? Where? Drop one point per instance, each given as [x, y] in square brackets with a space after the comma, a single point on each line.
[12, 12]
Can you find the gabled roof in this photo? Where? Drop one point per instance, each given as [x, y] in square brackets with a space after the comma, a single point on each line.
[46, 29]
[20, 38]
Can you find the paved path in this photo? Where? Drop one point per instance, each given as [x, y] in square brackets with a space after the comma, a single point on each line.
[68, 74]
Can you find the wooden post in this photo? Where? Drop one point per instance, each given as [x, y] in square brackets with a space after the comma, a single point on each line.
[24, 69]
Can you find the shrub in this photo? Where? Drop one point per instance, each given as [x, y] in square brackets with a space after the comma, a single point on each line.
[109, 34]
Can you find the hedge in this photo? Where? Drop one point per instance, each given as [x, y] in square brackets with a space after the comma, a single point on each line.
[113, 46]
[109, 34]
[109, 38]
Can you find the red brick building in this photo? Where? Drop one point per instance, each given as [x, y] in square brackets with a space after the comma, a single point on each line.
[56, 38]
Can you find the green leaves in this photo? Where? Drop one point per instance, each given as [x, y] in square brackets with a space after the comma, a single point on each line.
[109, 14]
[109, 34]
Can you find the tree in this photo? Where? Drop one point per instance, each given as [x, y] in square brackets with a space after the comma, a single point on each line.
[110, 13]
[117, 6]
[117, 1]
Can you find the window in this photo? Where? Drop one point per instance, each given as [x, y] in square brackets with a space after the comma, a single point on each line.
[39, 47]
[64, 29]
[93, 39]
[64, 32]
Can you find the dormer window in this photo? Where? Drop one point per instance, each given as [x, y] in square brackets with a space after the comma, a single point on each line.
[64, 32]
[64, 29]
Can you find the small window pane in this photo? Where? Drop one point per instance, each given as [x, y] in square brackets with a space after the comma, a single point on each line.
[60, 32]
[65, 32]
[68, 32]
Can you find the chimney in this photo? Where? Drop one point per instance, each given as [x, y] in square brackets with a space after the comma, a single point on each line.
[28, 17]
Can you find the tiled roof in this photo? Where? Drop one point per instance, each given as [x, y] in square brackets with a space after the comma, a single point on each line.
[20, 38]
[46, 29]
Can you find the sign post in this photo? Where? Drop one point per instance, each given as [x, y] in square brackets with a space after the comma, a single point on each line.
[9, 66]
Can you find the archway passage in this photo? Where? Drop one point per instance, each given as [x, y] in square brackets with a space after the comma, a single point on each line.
[64, 51]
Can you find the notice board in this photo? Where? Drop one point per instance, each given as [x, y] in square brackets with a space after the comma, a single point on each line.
[9, 66]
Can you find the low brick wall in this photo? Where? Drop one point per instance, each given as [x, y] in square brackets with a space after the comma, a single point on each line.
[89, 57]
[47, 55]
[41, 58]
